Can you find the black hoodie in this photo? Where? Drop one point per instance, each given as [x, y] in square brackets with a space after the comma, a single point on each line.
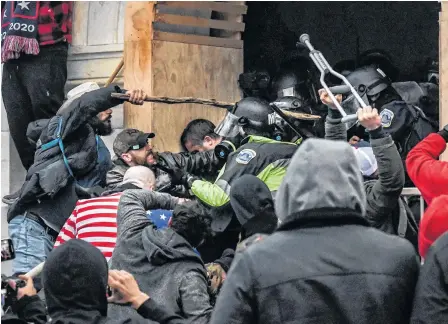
[164, 264]
[252, 203]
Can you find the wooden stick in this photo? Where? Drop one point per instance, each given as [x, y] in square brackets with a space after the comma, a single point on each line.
[170, 100]
[115, 73]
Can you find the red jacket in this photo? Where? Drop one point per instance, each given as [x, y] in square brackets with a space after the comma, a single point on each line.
[428, 174]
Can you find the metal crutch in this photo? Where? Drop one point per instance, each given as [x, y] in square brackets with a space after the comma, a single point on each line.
[325, 68]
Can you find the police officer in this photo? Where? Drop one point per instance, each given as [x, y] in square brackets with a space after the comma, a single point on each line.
[406, 123]
[264, 151]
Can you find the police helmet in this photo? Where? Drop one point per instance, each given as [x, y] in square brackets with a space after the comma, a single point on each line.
[249, 113]
[293, 84]
[380, 59]
[300, 113]
[369, 80]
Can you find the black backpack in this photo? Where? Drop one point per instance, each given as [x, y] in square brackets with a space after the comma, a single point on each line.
[407, 225]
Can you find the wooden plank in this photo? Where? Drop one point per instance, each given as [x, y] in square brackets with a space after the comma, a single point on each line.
[216, 6]
[137, 60]
[228, 17]
[190, 70]
[199, 40]
[199, 22]
[443, 69]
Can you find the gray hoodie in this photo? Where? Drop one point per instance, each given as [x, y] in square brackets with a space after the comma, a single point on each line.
[164, 264]
[324, 264]
[302, 191]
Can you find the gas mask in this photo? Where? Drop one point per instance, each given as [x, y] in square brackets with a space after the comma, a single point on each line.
[227, 146]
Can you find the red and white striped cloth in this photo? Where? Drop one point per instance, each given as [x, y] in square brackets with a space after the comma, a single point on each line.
[95, 221]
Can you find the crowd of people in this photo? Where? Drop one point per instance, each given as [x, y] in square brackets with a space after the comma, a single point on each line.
[281, 213]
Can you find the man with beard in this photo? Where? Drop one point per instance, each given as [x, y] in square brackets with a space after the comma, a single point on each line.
[70, 158]
[132, 147]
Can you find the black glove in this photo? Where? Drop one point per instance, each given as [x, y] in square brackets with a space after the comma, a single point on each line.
[180, 177]
[444, 133]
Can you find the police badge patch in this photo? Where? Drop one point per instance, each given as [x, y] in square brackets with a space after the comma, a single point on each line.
[245, 156]
[386, 117]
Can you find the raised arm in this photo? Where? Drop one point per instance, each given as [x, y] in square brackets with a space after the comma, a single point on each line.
[133, 206]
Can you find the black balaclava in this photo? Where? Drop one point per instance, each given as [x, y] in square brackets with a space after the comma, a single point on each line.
[252, 203]
[75, 282]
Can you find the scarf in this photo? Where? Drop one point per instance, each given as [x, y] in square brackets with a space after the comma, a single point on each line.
[19, 29]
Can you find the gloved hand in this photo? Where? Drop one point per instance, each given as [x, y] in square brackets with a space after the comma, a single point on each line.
[444, 133]
[180, 177]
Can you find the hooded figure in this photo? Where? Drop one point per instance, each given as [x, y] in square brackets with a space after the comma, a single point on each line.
[75, 289]
[252, 203]
[324, 264]
[75, 279]
[163, 262]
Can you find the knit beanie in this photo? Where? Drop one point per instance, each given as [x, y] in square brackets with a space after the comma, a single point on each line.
[434, 224]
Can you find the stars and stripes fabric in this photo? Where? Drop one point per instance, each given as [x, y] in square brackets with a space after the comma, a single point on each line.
[95, 221]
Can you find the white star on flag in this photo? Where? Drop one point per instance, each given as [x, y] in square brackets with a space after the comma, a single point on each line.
[162, 217]
[149, 212]
[24, 5]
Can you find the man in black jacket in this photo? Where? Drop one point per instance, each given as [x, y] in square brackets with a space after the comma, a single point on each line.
[324, 264]
[67, 158]
[163, 261]
[132, 147]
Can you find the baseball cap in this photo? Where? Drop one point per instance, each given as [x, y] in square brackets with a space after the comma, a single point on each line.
[366, 159]
[433, 224]
[130, 139]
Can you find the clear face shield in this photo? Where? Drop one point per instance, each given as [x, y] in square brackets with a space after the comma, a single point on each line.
[228, 127]
[351, 106]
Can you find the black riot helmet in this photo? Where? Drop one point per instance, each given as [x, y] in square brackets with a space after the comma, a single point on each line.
[369, 82]
[292, 84]
[249, 116]
[379, 59]
[300, 113]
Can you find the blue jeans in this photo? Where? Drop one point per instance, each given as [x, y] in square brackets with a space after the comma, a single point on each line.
[31, 242]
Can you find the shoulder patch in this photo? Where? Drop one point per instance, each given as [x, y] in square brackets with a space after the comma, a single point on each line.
[245, 156]
[386, 117]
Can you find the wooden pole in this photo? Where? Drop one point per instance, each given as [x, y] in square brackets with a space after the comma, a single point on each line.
[443, 68]
[115, 73]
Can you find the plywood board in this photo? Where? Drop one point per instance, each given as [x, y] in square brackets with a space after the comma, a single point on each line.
[190, 70]
[137, 61]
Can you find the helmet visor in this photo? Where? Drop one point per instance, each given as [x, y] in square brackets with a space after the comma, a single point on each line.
[228, 127]
[351, 106]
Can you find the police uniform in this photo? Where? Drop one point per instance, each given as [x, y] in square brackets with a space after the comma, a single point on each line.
[260, 156]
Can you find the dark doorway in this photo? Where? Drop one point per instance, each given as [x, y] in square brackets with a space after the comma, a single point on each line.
[408, 31]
